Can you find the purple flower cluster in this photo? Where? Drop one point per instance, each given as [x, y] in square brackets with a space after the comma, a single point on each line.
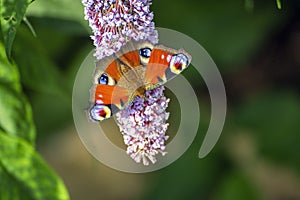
[143, 125]
[115, 22]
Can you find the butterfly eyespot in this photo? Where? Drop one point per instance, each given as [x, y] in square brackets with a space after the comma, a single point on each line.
[103, 79]
[106, 80]
[100, 112]
[145, 54]
[178, 63]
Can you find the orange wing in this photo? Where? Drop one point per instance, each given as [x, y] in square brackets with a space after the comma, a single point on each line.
[157, 65]
[113, 70]
[164, 64]
[131, 59]
[111, 95]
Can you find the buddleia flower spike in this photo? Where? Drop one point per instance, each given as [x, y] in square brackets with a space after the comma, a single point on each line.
[143, 123]
[115, 22]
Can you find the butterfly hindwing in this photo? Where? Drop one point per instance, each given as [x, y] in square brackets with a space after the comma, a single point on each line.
[108, 100]
[107, 94]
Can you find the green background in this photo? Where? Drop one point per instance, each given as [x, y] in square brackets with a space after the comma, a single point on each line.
[256, 48]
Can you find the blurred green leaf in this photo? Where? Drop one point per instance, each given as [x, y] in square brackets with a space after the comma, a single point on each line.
[23, 167]
[12, 13]
[26, 21]
[61, 9]
[188, 178]
[274, 119]
[278, 2]
[38, 72]
[224, 28]
[236, 186]
[7, 181]
[57, 26]
[16, 117]
[9, 74]
[249, 5]
[23, 174]
[52, 112]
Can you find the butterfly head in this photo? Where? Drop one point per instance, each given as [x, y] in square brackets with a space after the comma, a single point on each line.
[140, 91]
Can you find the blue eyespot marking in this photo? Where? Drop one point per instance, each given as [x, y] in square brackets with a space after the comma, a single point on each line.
[103, 79]
[145, 52]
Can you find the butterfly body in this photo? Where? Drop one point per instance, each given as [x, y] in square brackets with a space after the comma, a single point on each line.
[138, 67]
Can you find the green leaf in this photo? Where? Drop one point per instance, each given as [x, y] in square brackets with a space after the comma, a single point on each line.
[16, 115]
[278, 2]
[273, 118]
[7, 181]
[237, 186]
[60, 9]
[229, 33]
[21, 166]
[29, 26]
[11, 15]
[37, 70]
[40, 73]
[9, 74]
[249, 5]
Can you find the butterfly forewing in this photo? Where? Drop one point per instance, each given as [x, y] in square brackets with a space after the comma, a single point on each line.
[164, 64]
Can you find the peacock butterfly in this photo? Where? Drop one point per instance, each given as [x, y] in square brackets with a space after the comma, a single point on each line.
[137, 67]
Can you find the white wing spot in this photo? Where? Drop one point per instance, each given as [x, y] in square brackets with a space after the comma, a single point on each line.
[169, 58]
[99, 102]
[162, 56]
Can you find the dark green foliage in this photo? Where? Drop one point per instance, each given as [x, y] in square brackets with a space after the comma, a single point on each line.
[274, 119]
[236, 186]
[11, 15]
[23, 173]
[15, 118]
